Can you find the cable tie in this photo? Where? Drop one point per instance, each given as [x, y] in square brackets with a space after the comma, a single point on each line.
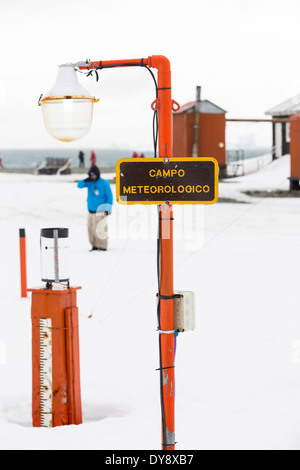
[163, 368]
[167, 297]
[169, 445]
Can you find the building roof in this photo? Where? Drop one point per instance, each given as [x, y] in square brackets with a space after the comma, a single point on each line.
[287, 108]
[206, 107]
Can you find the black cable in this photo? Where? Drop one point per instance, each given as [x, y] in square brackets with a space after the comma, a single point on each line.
[155, 114]
[161, 368]
[155, 132]
[133, 64]
[155, 140]
[158, 263]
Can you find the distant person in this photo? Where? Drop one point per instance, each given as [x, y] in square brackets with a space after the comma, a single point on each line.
[142, 155]
[99, 203]
[81, 159]
[93, 158]
[134, 155]
[1, 164]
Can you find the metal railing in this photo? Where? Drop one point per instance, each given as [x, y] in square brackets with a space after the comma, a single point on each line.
[235, 162]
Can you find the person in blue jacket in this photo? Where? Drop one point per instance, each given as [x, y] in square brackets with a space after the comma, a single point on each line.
[99, 203]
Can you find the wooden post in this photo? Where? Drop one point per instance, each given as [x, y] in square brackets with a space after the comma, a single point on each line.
[195, 152]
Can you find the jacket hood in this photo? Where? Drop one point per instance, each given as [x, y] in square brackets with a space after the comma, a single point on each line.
[95, 170]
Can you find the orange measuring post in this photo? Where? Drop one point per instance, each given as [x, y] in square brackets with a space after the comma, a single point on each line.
[164, 105]
[56, 394]
[23, 269]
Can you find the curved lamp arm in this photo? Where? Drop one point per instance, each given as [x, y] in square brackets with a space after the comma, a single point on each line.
[164, 102]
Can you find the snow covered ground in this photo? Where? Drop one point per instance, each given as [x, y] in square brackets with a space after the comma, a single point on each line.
[237, 374]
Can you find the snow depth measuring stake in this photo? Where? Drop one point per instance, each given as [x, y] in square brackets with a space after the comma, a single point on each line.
[23, 273]
[46, 372]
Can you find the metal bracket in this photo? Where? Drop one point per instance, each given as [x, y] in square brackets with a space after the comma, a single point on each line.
[81, 63]
[155, 105]
[166, 332]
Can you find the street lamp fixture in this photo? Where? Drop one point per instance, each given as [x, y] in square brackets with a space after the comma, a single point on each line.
[67, 107]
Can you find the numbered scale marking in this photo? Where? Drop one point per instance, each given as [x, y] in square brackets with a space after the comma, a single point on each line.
[46, 371]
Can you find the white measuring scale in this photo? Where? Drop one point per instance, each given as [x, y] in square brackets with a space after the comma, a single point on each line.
[46, 372]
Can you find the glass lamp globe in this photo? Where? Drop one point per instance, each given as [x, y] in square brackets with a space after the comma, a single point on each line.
[67, 107]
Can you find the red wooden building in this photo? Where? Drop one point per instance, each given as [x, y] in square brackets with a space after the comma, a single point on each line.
[295, 152]
[211, 131]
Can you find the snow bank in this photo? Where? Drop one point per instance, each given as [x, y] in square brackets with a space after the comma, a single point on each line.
[237, 374]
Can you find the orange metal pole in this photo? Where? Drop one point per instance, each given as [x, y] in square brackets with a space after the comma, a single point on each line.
[23, 271]
[116, 63]
[167, 341]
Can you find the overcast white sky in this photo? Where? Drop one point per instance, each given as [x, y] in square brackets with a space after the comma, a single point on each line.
[243, 53]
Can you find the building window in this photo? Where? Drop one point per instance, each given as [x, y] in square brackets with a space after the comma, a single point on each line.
[287, 132]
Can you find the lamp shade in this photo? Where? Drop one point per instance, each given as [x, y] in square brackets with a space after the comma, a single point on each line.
[67, 107]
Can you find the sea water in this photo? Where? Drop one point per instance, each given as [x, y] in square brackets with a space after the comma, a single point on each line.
[32, 158]
[105, 158]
